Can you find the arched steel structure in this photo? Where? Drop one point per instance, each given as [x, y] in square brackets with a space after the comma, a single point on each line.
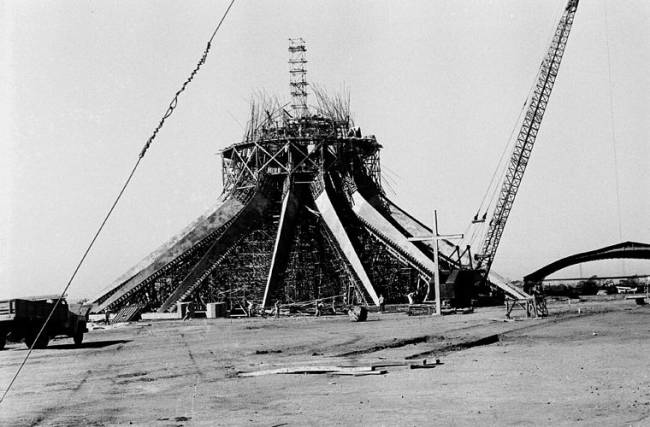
[629, 250]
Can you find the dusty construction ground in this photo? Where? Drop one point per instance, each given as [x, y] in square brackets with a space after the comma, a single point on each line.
[589, 369]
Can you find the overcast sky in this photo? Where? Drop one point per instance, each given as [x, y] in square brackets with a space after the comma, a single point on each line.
[440, 83]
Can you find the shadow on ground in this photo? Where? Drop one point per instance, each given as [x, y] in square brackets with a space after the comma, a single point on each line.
[92, 344]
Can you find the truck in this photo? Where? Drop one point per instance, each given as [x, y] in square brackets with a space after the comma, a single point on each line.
[23, 318]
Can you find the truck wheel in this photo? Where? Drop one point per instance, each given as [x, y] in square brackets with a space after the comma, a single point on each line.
[3, 339]
[29, 339]
[78, 337]
[42, 341]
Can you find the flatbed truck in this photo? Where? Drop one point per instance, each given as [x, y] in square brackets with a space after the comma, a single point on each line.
[23, 318]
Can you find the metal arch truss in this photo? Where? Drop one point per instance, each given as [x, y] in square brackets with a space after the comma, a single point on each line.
[624, 250]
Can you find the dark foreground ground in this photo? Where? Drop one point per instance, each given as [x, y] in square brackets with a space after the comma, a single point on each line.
[590, 368]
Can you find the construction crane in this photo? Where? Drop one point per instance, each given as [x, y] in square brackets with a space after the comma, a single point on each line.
[513, 170]
[526, 137]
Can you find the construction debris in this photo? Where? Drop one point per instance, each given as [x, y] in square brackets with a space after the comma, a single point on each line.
[128, 314]
[372, 369]
[308, 370]
[424, 364]
[358, 313]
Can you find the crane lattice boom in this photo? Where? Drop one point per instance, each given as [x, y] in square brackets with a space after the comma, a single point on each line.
[527, 135]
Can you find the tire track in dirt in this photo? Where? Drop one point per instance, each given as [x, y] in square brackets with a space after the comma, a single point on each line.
[48, 414]
[197, 368]
[488, 339]
[58, 415]
[460, 344]
[322, 346]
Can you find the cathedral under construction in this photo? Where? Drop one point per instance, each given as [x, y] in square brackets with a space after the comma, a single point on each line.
[302, 217]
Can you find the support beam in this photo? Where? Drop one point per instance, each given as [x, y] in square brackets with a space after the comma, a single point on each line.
[248, 217]
[283, 238]
[395, 238]
[501, 283]
[202, 228]
[329, 215]
[417, 228]
[434, 238]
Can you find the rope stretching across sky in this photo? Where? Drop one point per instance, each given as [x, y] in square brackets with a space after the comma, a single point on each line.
[168, 112]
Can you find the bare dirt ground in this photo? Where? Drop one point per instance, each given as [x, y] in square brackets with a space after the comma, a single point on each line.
[569, 369]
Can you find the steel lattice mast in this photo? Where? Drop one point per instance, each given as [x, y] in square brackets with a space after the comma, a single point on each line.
[527, 136]
[298, 74]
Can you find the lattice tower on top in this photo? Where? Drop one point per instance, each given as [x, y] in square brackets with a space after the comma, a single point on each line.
[298, 76]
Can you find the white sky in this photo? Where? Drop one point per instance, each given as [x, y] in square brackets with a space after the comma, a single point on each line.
[440, 84]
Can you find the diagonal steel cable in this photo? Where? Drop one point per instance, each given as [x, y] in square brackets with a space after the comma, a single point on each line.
[170, 110]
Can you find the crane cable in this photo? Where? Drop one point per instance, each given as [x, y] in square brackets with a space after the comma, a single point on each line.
[476, 229]
[499, 171]
[613, 123]
[168, 112]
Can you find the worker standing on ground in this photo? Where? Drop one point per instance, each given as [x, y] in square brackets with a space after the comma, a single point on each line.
[410, 296]
[319, 308]
[276, 309]
[190, 311]
[382, 305]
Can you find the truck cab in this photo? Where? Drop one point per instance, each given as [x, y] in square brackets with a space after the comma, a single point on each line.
[23, 318]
